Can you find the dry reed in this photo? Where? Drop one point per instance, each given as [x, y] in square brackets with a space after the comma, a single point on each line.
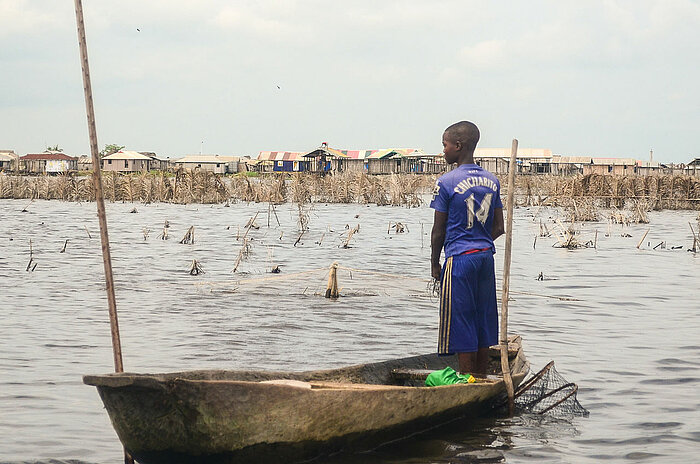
[637, 193]
[206, 187]
[580, 195]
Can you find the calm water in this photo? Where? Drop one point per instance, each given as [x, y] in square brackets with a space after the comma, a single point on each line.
[628, 333]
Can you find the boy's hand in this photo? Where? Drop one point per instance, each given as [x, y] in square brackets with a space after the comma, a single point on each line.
[435, 271]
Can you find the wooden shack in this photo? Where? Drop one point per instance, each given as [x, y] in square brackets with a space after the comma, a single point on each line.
[648, 168]
[283, 161]
[50, 162]
[130, 161]
[424, 163]
[569, 165]
[325, 159]
[356, 160]
[212, 163]
[393, 160]
[693, 168]
[530, 160]
[84, 163]
[613, 166]
[9, 160]
[384, 161]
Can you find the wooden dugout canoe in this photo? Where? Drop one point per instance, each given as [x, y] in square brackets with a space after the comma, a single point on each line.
[220, 416]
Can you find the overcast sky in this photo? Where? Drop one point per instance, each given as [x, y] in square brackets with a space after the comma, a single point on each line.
[579, 77]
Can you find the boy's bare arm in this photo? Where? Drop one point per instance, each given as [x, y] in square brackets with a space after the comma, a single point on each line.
[437, 240]
[497, 228]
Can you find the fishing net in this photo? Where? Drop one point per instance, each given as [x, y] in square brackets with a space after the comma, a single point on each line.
[345, 281]
[548, 393]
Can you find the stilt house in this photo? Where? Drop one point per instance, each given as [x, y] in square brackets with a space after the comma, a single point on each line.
[283, 161]
[50, 162]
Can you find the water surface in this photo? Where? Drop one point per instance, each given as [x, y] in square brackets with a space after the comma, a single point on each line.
[622, 322]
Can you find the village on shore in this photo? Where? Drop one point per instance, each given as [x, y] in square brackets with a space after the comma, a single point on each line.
[326, 159]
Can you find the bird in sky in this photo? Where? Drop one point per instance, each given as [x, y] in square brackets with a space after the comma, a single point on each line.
[138, 29]
[279, 87]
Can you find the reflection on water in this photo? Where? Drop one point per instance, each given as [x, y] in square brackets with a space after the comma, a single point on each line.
[627, 331]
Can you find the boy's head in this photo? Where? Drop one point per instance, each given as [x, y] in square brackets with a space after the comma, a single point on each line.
[459, 140]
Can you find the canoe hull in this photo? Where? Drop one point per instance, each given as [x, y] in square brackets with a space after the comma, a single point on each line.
[209, 417]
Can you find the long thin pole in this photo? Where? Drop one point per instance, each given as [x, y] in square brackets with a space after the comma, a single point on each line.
[505, 366]
[99, 198]
[99, 194]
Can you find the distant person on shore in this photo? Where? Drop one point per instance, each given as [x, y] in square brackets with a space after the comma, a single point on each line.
[468, 218]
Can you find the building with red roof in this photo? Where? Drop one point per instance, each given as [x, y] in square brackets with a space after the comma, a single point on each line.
[50, 162]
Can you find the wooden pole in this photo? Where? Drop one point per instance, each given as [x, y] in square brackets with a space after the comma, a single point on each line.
[505, 366]
[332, 288]
[99, 198]
[99, 194]
[642, 239]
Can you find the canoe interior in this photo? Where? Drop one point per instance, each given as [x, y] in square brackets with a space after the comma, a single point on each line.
[379, 373]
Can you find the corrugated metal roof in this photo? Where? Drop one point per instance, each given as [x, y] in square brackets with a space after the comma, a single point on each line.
[407, 152]
[572, 159]
[213, 159]
[47, 156]
[615, 161]
[327, 151]
[336, 153]
[647, 164]
[8, 156]
[281, 156]
[358, 154]
[127, 155]
[505, 153]
[365, 154]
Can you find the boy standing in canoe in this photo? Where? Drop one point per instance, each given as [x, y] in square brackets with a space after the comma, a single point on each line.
[468, 218]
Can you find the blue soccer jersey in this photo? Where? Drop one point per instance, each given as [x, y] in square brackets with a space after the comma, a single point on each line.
[469, 195]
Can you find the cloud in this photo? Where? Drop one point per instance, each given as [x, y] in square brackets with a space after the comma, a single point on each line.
[605, 34]
[489, 54]
[271, 24]
[21, 16]
[217, 60]
[240, 18]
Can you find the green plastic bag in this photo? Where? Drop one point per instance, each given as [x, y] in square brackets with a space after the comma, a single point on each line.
[447, 376]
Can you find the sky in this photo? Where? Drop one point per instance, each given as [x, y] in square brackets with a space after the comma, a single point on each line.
[176, 77]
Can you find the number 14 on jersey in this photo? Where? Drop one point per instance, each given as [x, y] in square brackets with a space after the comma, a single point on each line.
[481, 214]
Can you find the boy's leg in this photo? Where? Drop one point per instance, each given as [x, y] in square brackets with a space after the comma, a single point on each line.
[482, 362]
[488, 313]
[467, 363]
[474, 363]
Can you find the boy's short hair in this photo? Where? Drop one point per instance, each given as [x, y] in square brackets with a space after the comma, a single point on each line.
[465, 132]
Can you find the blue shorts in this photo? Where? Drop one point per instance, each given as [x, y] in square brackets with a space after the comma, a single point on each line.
[468, 310]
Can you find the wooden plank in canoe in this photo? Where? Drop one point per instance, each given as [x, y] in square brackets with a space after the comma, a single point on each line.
[514, 345]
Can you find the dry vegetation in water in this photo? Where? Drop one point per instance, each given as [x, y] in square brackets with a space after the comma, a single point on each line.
[597, 191]
[630, 197]
[206, 187]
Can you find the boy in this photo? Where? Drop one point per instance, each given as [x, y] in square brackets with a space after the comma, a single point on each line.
[468, 218]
